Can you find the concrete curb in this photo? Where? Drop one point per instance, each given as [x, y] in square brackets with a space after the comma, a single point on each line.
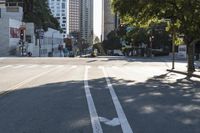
[5, 93]
[184, 73]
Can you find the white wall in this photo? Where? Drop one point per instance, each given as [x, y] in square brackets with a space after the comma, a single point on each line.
[8, 19]
[14, 24]
[4, 34]
[46, 43]
[32, 47]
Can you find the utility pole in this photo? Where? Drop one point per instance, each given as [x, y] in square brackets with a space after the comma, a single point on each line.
[173, 49]
[173, 40]
[52, 43]
[173, 44]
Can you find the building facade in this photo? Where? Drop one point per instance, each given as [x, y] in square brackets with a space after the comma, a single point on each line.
[74, 18]
[10, 21]
[60, 10]
[86, 23]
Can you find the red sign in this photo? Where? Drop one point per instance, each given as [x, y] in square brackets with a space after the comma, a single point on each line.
[14, 32]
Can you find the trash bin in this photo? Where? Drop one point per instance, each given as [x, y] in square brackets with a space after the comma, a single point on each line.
[50, 54]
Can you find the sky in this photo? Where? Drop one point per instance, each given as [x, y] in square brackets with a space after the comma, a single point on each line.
[97, 18]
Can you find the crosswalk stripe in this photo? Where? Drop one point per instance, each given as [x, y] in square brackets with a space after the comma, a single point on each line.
[114, 67]
[32, 66]
[46, 66]
[5, 67]
[19, 66]
[74, 66]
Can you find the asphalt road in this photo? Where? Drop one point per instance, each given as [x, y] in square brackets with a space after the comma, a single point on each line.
[96, 95]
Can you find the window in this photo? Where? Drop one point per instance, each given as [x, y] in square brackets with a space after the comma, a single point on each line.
[63, 5]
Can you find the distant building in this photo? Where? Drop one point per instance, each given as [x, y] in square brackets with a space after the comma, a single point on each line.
[50, 43]
[111, 20]
[74, 18]
[10, 22]
[86, 24]
[47, 44]
[60, 10]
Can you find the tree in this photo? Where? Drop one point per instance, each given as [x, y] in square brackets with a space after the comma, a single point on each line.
[184, 16]
[38, 12]
[112, 42]
[96, 39]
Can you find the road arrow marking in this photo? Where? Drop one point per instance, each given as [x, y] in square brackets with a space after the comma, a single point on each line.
[114, 122]
[126, 128]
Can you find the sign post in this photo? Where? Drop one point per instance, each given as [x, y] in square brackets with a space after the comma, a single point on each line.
[40, 35]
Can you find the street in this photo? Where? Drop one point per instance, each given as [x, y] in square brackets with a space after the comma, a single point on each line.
[96, 95]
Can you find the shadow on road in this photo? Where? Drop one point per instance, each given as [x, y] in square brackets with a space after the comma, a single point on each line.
[154, 106]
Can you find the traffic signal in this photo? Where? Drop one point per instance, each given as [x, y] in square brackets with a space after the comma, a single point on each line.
[22, 34]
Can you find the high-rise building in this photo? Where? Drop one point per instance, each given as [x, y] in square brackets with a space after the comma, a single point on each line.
[74, 18]
[111, 20]
[86, 24]
[59, 9]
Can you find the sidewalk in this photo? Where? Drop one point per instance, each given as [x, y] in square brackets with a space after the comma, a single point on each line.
[182, 69]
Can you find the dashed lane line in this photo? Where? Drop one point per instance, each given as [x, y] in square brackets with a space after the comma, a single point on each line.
[96, 126]
[126, 128]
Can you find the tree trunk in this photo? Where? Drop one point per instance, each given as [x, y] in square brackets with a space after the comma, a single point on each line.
[191, 67]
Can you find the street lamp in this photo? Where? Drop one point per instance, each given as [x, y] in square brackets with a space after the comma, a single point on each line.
[52, 50]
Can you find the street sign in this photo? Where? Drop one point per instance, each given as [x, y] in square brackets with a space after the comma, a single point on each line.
[182, 51]
[40, 33]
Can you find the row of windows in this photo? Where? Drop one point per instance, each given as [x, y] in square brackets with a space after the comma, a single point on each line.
[58, 0]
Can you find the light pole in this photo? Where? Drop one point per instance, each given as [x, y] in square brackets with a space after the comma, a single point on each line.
[151, 44]
[173, 41]
[52, 50]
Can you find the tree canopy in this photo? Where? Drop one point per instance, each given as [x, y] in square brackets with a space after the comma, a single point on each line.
[38, 12]
[183, 15]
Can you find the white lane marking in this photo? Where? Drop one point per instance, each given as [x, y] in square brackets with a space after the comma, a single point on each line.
[96, 126]
[126, 128]
[114, 122]
[114, 67]
[32, 66]
[5, 67]
[19, 66]
[74, 66]
[30, 79]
